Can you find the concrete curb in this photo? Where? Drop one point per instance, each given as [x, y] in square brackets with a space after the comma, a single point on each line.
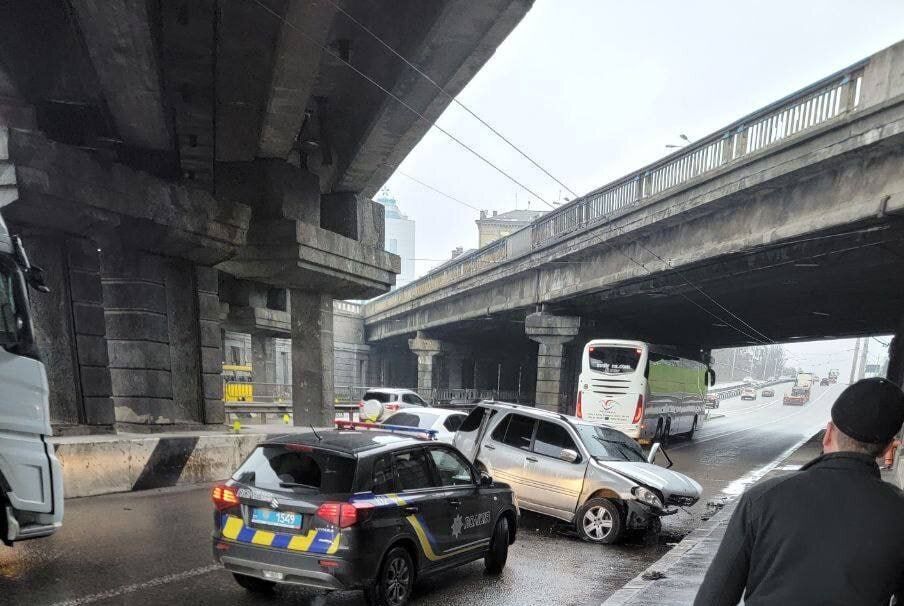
[638, 585]
[95, 465]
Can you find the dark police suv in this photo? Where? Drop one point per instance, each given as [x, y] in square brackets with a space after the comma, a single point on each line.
[352, 508]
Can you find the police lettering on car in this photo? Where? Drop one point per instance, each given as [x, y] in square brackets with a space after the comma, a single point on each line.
[355, 508]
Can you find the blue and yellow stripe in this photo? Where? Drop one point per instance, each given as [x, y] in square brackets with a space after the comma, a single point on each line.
[318, 540]
[426, 538]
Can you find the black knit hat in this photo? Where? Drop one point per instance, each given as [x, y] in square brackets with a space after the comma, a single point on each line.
[871, 410]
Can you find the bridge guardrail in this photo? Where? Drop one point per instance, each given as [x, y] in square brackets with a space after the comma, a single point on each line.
[801, 111]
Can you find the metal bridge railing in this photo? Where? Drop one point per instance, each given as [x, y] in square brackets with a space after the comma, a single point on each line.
[799, 112]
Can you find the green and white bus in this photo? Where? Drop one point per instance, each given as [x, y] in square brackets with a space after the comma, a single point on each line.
[646, 391]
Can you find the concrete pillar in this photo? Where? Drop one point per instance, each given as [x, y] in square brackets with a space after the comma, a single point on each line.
[312, 358]
[263, 358]
[552, 333]
[163, 338]
[425, 349]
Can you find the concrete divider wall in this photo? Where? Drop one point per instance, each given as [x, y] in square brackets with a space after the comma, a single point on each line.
[104, 464]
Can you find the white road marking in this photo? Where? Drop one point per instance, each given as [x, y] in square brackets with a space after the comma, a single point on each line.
[126, 589]
[752, 477]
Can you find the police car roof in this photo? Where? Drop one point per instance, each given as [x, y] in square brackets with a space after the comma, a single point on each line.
[352, 441]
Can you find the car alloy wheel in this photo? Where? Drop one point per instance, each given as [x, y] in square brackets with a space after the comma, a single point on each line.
[597, 522]
[397, 582]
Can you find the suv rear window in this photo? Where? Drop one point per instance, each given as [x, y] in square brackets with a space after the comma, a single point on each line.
[379, 396]
[298, 468]
[614, 360]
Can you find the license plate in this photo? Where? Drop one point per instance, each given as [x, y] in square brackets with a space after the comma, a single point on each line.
[282, 519]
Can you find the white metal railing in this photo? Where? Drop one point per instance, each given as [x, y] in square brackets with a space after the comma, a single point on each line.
[348, 307]
[799, 112]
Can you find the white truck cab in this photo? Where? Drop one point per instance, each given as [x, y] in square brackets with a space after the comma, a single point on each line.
[31, 478]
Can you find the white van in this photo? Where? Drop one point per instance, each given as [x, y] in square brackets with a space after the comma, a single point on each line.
[31, 478]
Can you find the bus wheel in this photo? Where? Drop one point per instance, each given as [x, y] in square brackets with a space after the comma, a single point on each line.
[690, 434]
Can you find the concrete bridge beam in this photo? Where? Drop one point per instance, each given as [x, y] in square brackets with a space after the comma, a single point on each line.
[552, 333]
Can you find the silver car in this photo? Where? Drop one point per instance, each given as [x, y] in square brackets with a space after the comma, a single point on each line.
[583, 473]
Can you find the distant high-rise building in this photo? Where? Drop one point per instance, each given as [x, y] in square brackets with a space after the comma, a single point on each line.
[499, 225]
[399, 236]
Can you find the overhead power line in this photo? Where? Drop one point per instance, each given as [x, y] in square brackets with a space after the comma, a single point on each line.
[432, 123]
[401, 102]
[449, 95]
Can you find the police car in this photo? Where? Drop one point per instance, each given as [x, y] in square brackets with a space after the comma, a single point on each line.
[355, 508]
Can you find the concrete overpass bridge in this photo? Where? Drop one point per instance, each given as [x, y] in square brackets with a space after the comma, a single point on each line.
[154, 152]
[787, 224]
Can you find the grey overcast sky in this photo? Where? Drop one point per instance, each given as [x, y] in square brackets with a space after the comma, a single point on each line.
[594, 89]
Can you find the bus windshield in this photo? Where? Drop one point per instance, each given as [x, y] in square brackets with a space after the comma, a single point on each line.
[613, 360]
[606, 444]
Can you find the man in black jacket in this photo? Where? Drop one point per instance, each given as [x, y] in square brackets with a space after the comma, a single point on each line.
[831, 533]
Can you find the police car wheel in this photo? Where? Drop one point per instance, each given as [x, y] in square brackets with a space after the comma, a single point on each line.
[254, 584]
[393, 586]
[600, 521]
[495, 559]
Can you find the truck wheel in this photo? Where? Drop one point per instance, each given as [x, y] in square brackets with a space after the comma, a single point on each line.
[666, 432]
[690, 434]
[393, 586]
[495, 559]
[254, 584]
[600, 521]
[657, 435]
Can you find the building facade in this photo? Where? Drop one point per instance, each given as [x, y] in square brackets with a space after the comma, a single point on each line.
[498, 225]
[399, 236]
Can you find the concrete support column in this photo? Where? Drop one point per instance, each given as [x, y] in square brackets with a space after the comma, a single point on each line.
[312, 358]
[552, 333]
[426, 349]
[263, 358]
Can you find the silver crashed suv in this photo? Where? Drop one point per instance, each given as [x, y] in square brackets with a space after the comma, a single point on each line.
[583, 473]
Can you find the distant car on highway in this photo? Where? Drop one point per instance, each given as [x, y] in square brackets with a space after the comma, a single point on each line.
[442, 420]
[825, 382]
[379, 402]
[748, 393]
[587, 474]
[748, 380]
[768, 393]
[712, 400]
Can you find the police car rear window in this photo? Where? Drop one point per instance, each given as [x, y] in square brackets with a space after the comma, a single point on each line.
[297, 468]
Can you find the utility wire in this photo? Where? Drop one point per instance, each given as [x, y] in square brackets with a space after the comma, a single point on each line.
[761, 336]
[449, 95]
[433, 189]
[401, 102]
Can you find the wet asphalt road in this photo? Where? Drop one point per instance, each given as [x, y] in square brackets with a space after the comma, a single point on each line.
[153, 547]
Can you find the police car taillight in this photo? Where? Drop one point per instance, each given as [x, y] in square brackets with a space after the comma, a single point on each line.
[343, 515]
[224, 497]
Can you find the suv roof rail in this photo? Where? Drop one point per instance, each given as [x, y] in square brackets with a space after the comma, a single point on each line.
[430, 434]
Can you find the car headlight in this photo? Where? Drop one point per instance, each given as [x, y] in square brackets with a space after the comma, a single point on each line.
[645, 495]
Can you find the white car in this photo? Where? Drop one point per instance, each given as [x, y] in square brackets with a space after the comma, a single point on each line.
[379, 402]
[444, 421]
[748, 393]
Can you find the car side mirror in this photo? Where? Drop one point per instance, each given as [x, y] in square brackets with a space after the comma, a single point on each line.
[653, 450]
[485, 480]
[568, 455]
